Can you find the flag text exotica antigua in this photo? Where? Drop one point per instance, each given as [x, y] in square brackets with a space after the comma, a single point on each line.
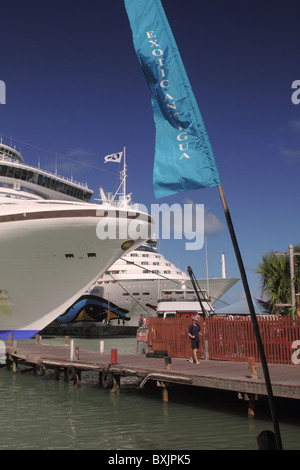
[165, 84]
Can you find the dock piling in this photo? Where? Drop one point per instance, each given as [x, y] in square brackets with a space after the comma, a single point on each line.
[165, 395]
[266, 441]
[116, 385]
[15, 366]
[221, 375]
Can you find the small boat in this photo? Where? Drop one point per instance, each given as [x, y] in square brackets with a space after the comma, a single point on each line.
[183, 303]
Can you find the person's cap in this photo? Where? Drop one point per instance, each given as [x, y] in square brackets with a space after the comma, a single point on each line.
[195, 319]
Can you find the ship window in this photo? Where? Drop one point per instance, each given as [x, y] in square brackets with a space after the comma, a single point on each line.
[52, 183]
[69, 255]
[125, 293]
[144, 262]
[91, 255]
[10, 171]
[135, 293]
[146, 293]
[18, 173]
[3, 170]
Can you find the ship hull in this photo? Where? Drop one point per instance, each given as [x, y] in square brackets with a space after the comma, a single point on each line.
[49, 257]
[139, 297]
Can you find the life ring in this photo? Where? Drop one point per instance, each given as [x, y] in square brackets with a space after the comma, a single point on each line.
[107, 380]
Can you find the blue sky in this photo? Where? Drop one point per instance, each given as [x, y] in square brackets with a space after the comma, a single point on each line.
[74, 87]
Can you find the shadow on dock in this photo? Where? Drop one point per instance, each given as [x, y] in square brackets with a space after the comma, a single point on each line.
[88, 331]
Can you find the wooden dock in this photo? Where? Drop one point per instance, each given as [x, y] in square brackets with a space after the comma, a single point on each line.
[222, 375]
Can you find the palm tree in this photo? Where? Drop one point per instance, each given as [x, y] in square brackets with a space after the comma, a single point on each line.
[276, 280]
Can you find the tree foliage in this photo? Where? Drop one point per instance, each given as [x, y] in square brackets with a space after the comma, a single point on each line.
[276, 280]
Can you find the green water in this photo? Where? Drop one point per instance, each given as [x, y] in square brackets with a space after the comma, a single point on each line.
[42, 413]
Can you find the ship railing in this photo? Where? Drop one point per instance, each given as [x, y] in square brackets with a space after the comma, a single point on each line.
[39, 170]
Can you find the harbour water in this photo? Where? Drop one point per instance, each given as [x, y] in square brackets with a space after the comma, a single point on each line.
[41, 413]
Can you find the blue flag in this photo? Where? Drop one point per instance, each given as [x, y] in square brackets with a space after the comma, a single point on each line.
[184, 159]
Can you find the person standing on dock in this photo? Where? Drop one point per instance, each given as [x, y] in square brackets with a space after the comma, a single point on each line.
[194, 334]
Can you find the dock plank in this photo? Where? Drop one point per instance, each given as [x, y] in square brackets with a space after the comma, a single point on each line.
[222, 375]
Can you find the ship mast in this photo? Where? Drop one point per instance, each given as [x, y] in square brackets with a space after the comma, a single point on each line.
[124, 199]
[123, 177]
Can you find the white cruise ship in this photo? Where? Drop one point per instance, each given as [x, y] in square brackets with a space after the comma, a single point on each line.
[132, 286]
[49, 249]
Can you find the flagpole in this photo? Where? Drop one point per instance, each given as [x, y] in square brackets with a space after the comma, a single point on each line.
[124, 173]
[253, 317]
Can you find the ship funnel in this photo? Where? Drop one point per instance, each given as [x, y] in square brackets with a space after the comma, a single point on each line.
[223, 266]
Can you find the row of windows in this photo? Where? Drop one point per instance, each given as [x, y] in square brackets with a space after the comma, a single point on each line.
[155, 263]
[156, 271]
[25, 174]
[145, 255]
[137, 293]
[11, 153]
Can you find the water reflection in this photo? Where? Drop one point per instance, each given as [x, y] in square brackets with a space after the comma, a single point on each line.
[42, 413]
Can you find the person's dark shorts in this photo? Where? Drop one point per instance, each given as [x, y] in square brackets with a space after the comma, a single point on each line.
[195, 343]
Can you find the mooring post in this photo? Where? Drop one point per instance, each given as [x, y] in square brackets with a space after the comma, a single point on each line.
[72, 351]
[168, 363]
[77, 353]
[252, 367]
[205, 350]
[113, 356]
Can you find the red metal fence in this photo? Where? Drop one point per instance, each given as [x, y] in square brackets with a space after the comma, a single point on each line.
[228, 339]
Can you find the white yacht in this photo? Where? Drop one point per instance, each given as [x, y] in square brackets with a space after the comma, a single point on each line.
[133, 284]
[50, 249]
[178, 303]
